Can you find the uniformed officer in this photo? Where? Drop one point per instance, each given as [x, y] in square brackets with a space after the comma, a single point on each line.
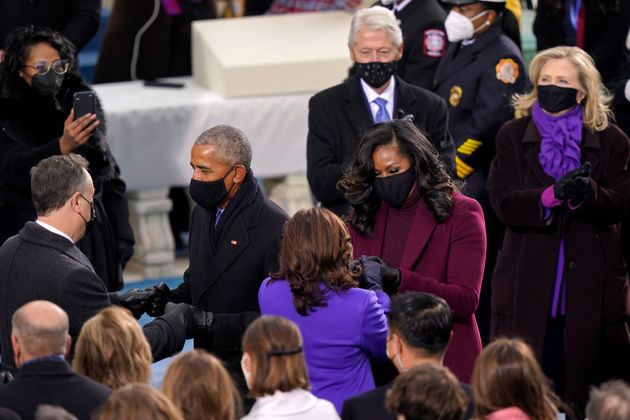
[480, 71]
[422, 25]
[477, 76]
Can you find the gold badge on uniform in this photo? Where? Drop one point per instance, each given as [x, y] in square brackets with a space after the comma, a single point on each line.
[507, 70]
[455, 96]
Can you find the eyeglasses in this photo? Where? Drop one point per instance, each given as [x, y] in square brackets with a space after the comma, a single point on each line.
[91, 203]
[58, 66]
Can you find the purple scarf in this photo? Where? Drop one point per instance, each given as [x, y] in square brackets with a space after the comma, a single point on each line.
[561, 138]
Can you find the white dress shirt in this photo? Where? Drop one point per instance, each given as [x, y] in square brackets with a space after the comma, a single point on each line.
[53, 230]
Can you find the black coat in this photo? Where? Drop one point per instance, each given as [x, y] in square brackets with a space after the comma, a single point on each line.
[52, 383]
[31, 128]
[371, 405]
[78, 20]
[38, 264]
[227, 266]
[605, 30]
[6, 414]
[476, 83]
[338, 117]
[422, 25]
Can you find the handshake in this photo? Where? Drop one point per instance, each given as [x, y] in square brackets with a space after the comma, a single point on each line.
[376, 274]
[156, 302]
[573, 185]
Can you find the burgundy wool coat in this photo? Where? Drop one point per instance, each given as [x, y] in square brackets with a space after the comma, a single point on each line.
[596, 277]
[445, 259]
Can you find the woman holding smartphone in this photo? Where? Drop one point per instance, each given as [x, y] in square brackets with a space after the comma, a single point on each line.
[38, 81]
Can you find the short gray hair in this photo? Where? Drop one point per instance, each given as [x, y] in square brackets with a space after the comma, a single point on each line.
[232, 144]
[41, 338]
[611, 401]
[375, 19]
[55, 179]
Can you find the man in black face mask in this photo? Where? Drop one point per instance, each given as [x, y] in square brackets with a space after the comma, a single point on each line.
[42, 262]
[234, 234]
[339, 116]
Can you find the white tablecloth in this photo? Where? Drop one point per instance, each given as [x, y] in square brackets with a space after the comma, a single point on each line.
[150, 130]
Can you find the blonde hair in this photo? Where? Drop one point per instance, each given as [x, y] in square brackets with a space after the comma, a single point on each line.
[507, 374]
[138, 401]
[112, 349]
[201, 387]
[274, 345]
[597, 104]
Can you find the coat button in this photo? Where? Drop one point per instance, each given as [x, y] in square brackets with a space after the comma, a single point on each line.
[572, 265]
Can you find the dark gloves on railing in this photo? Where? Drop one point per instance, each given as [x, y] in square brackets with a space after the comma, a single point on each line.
[573, 185]
[160, 297]
[390, 276]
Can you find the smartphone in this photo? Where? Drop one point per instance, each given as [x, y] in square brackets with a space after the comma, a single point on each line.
[84, 103]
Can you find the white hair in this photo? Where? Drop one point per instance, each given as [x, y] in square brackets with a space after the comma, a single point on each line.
[375, 19]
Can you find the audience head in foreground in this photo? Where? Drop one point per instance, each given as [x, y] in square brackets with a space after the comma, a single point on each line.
[508, 380]
[198, 383]
[138, 401]
[420, 328]
[427, 392]
[39, 329]
[275, 370]
[112, 349]
[609, 401]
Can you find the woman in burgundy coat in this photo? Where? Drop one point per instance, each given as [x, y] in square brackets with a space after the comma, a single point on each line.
[560, 183]
[427, 236]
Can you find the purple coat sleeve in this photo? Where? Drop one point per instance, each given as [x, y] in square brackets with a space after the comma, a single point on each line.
[374, 324]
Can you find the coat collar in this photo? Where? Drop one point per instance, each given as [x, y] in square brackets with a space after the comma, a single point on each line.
[457, 58]
[34, 233]
[357, 108]
[284, 403]
[421, 229]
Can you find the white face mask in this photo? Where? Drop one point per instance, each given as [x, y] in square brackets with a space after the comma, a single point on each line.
[459, 27]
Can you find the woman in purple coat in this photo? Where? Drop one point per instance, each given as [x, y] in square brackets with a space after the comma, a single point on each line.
[315, 287]
[560, 183]
[427, 236]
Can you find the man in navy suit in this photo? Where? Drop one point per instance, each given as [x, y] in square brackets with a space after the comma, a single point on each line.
[420, 328]
[40, 342]
[338, 116]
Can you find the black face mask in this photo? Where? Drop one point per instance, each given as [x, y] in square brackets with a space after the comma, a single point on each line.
[554, 98]
[48, 84]
[89, 224]
[376, 74]
[394, 189]
[209, 194]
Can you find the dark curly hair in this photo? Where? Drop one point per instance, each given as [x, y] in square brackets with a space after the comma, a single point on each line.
[315, 249]
[435, 186]
[17, 48]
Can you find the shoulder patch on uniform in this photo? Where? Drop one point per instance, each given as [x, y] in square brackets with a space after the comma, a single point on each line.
[507, 70]
[434, 43]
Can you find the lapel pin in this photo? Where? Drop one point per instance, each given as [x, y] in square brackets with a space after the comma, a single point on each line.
[233, 242]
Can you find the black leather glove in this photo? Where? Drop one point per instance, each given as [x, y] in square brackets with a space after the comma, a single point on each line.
[390, 276]
[573, 185]
[136, 300]
[371, 276]
[191, 318]
[161, 296]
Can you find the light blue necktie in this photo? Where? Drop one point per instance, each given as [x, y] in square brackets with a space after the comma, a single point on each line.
[381, 115]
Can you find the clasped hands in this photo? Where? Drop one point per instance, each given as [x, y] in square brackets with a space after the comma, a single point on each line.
[573, 185]
[376, 274]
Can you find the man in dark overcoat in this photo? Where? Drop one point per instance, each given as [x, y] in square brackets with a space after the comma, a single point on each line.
[234, 234]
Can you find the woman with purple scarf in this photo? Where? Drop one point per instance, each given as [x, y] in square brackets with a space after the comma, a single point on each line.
[560, 183]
